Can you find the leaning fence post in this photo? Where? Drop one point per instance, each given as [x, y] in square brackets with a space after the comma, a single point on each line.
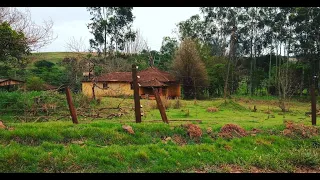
[71, 107]
[160, 106]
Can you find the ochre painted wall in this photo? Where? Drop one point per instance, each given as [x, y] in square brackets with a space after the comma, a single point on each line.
[114, 89]
[123, 88]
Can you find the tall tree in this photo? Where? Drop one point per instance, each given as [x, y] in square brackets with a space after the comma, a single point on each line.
[189, 69]
[167, 50]
[111, 28]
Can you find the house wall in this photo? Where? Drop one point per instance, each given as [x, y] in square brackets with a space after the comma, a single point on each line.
[174, 90]
[171, 91]
[114, 89]
[124, 88]
[10, 82]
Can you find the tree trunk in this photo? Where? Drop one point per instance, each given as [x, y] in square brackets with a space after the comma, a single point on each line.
[226, 82]
[301, 87]
[270, 69]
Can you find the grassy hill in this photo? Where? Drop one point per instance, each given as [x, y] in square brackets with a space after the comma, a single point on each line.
[54, 57]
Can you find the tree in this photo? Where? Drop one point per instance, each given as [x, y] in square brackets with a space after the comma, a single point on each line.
[167, 50]
[112, 26]
[13, 49]
[74, 66]
[74, 45]
[49, 73]
[189, 69]
[37, 36]
[137, 45]
[44, 64]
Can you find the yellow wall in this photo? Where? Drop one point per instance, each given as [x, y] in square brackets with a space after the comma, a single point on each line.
[123, 88]
[114, 89]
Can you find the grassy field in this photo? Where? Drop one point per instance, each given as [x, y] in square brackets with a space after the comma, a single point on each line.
[101, 145]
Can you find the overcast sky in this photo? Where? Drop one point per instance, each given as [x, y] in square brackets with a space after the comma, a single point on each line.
[154, 23]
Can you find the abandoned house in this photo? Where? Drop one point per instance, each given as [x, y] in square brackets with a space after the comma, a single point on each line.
[10, 84]
[120, 83]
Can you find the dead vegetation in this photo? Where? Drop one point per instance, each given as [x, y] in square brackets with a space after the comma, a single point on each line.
[212, 109]
[193, 131]
[179, 140]
[2, 126]
[232, 130]
[128, 129]
[299, 130]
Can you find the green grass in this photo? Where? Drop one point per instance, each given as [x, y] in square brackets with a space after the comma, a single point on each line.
[101, 145]
[54, 57]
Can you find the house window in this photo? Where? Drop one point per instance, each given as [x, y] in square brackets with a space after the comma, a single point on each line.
[105, 85]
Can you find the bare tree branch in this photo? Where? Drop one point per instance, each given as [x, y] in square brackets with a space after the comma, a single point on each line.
[74, 45]
[37, 36]
[136, 46]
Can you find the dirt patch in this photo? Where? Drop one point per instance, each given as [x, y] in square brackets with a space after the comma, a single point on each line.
[233, 168]
[2, 126]
[128, 129]
[254, 132]
[307, 170]
[299, 130]
[212, 109]
[231, 131]
[179, 140]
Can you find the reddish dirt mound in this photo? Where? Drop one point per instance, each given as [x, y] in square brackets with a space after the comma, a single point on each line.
[212, 109]
[193, 130]
[293, 130]
[128, 129]
[231, 131]
[2, 126]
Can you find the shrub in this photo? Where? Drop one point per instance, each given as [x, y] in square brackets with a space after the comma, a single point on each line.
[177, 103]
[35, 84]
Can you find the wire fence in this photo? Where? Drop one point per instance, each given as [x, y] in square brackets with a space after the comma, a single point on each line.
[41, 106]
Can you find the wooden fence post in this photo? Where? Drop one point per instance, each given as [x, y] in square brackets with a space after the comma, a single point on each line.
[71, 107]
[160, 106]
[136, 94]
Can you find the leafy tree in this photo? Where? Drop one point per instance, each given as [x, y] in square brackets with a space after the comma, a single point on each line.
[167, 50]
[13, 49]
[44, 64]
[190, 69]
[48, 72]
[112, 26]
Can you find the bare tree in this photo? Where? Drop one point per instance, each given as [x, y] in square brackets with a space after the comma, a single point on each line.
[289, 84]
[74, 45]
[136, 46]
[37, 36]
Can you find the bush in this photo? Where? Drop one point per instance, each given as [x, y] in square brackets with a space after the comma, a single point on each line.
[35, 84]
[177, 104]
